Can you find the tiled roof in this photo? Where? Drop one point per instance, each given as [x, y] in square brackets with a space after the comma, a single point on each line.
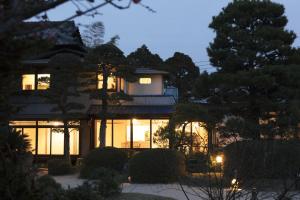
[119, 111]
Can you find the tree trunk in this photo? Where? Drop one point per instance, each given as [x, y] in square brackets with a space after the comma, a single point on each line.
[66, 141]
[104, 97]
[209, 140]
[172, 135]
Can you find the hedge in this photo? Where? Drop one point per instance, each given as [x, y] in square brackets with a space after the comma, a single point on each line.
[157, 166]
[263, 159]
[107, 157]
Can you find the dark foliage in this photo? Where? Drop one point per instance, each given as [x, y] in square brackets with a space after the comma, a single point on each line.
[108, 157]
[157, 166]
[263, 159]
[46, 188]
[59, 167]
[83, 192]
[250, 35]
[16, 175]
[198, 162]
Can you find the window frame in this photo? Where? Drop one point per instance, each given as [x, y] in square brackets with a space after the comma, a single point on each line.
[35, 81]
[108, 89]
[37, 126]
[146, 78]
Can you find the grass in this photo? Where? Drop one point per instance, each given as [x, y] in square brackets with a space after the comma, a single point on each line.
[136, 196]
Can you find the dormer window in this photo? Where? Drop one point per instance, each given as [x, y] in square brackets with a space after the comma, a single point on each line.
[35, 81]
[111, 82]
[145, 81]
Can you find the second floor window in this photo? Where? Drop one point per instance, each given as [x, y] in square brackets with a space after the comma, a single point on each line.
[35, 81]
[145, 81]
[111, 82]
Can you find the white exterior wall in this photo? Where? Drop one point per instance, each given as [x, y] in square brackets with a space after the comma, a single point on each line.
[155, 88]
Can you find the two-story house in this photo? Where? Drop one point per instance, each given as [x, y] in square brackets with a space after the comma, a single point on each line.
[131, 124]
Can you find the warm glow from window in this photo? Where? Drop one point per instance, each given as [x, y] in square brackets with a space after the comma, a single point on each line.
[111, 82]
[219, 159]
[145, 81]
[28, 82]
[22, 123]
[43, 81]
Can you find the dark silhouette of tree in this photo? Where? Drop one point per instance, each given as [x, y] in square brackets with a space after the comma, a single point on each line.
[143, 57]
[183, 72]
[250, 35]
[64, 89]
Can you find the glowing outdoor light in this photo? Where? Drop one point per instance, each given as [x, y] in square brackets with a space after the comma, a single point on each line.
[233, 181]
[219, 159]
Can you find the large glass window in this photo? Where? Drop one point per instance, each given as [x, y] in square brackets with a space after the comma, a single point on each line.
[74, 141]
[200, 137]
[50, 136]
[111, 82]
[44, 141]
[158, 124]
[57, 141]
[30, 133]
[122, 133]
[28, 82]
[141, 133]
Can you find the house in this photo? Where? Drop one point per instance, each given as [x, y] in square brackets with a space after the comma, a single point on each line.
[131, 124]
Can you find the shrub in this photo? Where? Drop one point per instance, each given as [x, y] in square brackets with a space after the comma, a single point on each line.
[59, 167]
[84, 192]
[108, 157]
[157, 166]
[107, 186]
[198, 162]
[46, 188]
[263, 159]
[102, 172]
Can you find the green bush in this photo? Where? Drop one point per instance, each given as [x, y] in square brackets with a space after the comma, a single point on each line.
[59, 167]
[108, 157]
[262, 159]
[157, 166]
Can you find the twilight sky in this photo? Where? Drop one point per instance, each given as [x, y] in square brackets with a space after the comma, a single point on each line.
[177, 25]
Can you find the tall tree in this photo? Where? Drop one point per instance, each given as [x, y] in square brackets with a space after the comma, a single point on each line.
[64, 89]
[143, 57]
[108, 60]
[183, 72]
[249, 35]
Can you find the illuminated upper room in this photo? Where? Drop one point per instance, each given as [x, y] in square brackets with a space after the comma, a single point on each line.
[36, 81]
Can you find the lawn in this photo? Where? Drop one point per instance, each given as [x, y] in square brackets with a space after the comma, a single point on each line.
[136, 196]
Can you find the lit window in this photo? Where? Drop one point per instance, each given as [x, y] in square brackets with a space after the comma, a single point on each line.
[145, 81]
[43, 81]
[28, 82]
[33, 81]
[111, 82]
